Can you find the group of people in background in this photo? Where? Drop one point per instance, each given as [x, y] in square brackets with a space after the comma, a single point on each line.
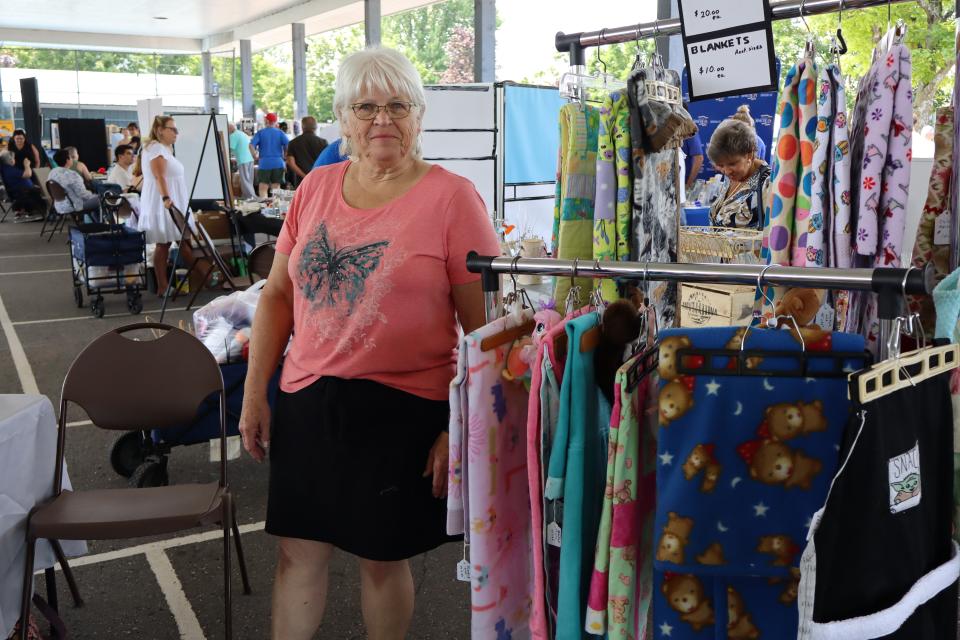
[280, 160]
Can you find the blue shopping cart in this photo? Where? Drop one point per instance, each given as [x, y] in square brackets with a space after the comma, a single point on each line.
[108, 258]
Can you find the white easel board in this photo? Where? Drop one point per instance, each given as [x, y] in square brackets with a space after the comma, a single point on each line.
[194, 127]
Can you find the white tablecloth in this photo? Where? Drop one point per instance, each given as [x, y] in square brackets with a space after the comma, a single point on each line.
[28, 448]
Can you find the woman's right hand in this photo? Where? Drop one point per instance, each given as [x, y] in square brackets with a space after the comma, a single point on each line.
[255, 426]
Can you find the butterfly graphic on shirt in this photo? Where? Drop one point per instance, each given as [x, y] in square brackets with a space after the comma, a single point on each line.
[335, 276]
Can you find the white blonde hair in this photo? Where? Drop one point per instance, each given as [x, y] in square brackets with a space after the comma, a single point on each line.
[377, 69]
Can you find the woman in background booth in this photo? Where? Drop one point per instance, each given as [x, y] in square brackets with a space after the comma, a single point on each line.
[370, 277]
[24, 149]
[163, 187]
[733, 152]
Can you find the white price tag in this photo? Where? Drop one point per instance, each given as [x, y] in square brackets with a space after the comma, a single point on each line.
[553, 534]
[941, 229]
[825, 317]
[463, 571]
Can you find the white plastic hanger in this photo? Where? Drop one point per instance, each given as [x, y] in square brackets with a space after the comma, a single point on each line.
[902, 370]
[575, 82]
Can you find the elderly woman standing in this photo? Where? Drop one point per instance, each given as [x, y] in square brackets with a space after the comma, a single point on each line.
[733, 151]
[370, 277]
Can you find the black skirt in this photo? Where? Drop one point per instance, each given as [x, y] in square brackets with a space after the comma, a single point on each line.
[346, 467]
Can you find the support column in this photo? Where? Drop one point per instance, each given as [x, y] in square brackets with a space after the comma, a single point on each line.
[211, 97]
[371, 22]
[299, 71]
[484, 45]
[246, 80]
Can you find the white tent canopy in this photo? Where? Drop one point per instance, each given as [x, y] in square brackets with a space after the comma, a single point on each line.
[177, 26]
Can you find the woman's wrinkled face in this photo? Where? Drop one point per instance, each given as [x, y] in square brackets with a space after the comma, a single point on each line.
[737, 168]
[390, 136]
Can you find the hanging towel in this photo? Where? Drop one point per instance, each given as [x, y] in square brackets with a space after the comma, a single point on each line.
[744, 461]
[613, 210]
[623, 569]
[500, 554]
[885, 180]
[785, 231]
[841, 250]
[457, 491]
[821, 214]
[543, 405]
[879, 560]
[575, 191]
[576, 472]
[656, 131]
[929, 248]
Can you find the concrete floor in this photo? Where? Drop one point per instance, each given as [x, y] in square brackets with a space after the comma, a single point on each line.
[169, 588]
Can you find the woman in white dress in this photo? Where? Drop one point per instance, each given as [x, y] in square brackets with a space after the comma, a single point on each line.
[163, 186]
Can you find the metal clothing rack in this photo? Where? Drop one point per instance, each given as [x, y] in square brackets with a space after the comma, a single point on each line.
[575, 43]
[890, 284]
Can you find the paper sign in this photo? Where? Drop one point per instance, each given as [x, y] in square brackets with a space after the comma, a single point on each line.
[710, 16]
[728, 45]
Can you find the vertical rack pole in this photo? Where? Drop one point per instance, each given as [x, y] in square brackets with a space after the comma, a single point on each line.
[490, 280]
[888, 309]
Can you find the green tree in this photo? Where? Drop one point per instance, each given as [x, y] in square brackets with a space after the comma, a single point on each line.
[422, 34]
[324, 53]
[272, 71]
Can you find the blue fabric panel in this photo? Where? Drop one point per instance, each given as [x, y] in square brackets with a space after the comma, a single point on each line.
[532, 138]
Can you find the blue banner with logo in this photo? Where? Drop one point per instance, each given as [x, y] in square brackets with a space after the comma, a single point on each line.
[708, 114]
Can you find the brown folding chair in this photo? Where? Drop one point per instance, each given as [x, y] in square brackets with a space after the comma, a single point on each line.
[207, 253]
[261, 259]
[60, 195]
[100, 381]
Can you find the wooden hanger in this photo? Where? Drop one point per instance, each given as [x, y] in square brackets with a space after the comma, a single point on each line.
[894, 374]
[509, 335]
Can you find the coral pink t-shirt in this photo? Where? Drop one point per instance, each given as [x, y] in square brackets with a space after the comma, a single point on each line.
[372, 293]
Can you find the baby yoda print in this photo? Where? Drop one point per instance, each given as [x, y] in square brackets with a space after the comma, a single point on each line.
[907, 488]
[904, 480]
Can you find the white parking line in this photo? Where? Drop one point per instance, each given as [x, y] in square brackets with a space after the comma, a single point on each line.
[183, 613]
[28, 383]
[156, 312]
[30, 273]
[160, 545]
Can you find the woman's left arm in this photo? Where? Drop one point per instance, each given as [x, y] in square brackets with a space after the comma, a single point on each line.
[468, 301]
[36, 156]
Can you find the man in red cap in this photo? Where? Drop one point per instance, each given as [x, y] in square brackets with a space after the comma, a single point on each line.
[271, 146]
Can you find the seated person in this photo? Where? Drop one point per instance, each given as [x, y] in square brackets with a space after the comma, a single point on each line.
[26, 196]
[79, 167]
[121, 174]
[78, 198]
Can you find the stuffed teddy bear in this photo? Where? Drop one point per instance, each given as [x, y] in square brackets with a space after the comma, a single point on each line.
[802, 304]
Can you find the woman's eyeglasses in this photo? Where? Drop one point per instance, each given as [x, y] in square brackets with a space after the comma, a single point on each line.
[174, 129]
[368, 110]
